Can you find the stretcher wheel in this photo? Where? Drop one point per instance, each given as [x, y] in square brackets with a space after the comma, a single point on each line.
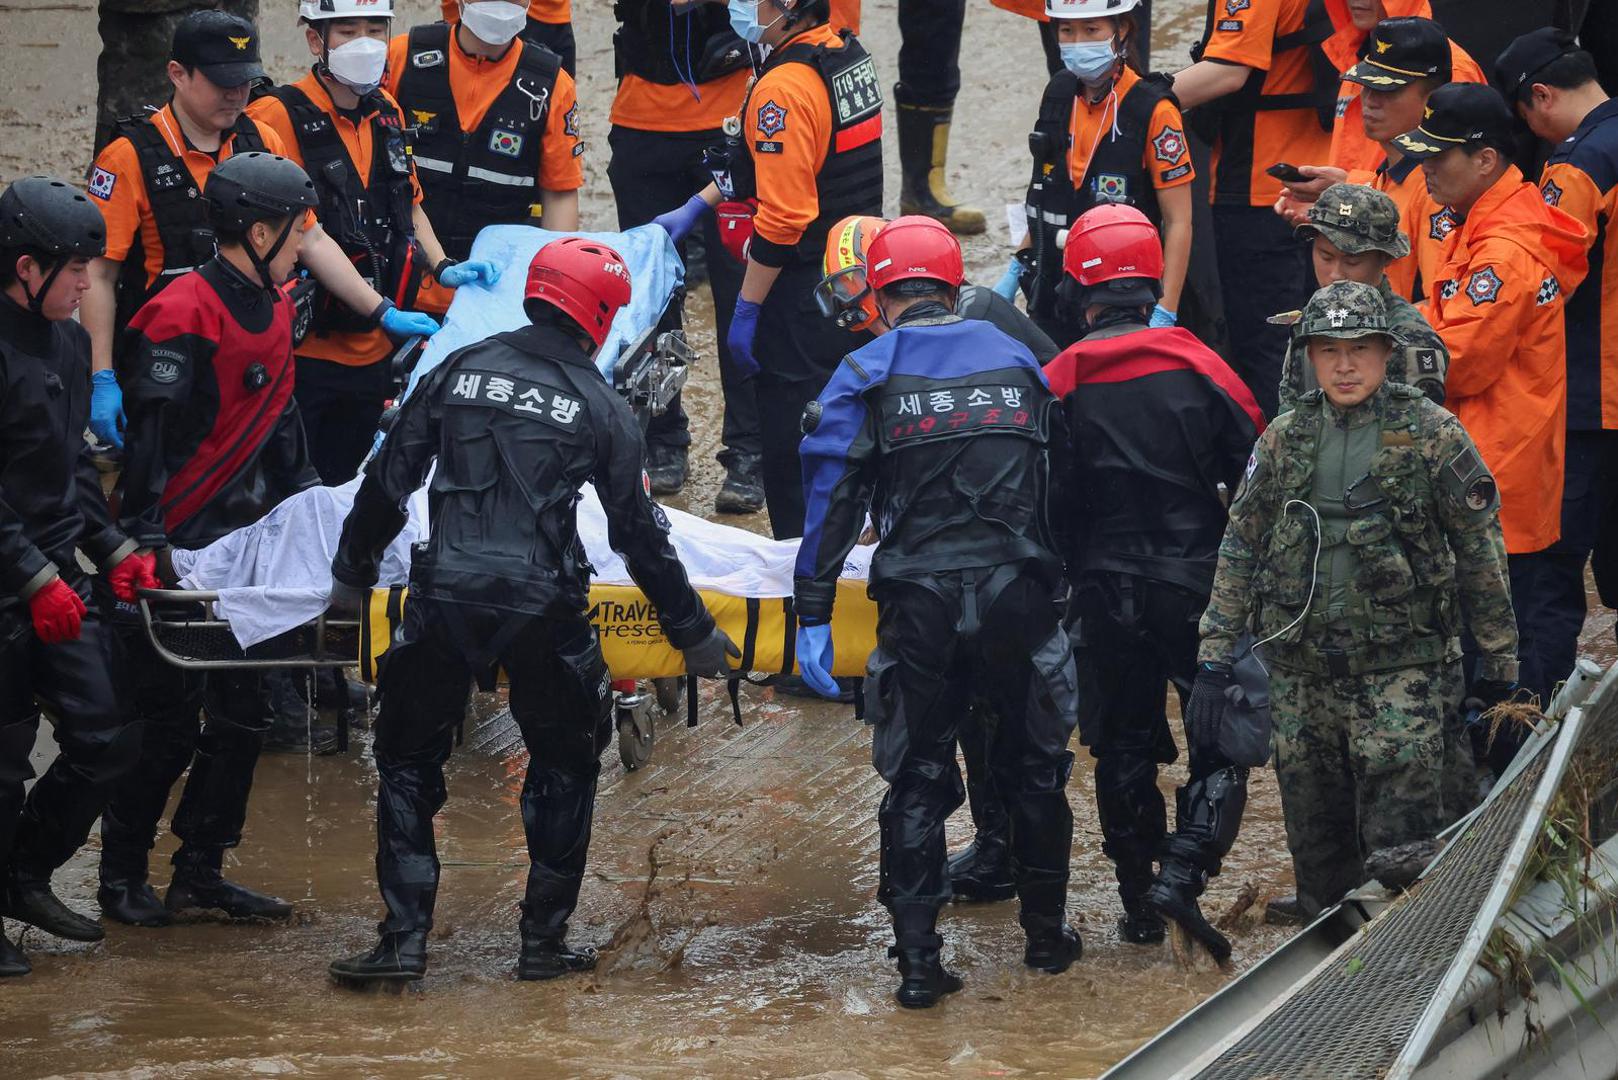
[669, 692]
[636, 730]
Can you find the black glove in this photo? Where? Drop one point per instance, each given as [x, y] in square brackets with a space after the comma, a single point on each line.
[1205, 712]
[707, 658]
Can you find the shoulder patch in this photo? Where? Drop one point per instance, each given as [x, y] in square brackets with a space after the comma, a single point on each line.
[1233, 7]
[1169, 146]
[772, 119]
[1424, 361]
[1552, 193]
[1484, 286]
[1440, 224]
[1549, 290]
[101, 183]
[570, 122]
[1470, 483]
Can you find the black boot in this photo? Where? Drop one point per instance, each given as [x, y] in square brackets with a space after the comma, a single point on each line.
[981, 871]
[132, 901]
[1284, 911]
[1052, 946]
[198, 884]
[295, 728]
[335, 690]
[551, 958]
[922, 974]
[12, 961]
[665, 468]
[743, 489]
[1174, 894]
[398, 958]
[1141, 924]
[29, 899]
[923, 152]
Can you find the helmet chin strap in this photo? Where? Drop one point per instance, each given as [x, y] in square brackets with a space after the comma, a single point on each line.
[36, 300]
[262, 263]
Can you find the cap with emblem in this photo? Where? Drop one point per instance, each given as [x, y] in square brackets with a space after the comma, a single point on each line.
[1458, 114]
[1401, 51]
[1356, 219]
[224, 47]
[1527, 56]
[1344, 309]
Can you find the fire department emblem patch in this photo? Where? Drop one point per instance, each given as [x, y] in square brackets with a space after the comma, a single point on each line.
[506, 143]
[1233, 6]
[1169, 145]
[570, 122]
[1552, 193]
[1441, 224]
[1484, 288]
[772, 119]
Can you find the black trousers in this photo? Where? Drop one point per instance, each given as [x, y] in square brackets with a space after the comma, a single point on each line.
[78, 682]
[221, 748]
[1265, 270]
[653, 172]
[1131, 637]
[941, 642]
[558, 38]
[562, 702]
[930, 52]
[340, 406]
[1589, 534]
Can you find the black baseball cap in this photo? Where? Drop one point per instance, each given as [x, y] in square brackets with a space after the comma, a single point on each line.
[224, 47]
[1457, 114]
[1400, 51]
[1528, 56]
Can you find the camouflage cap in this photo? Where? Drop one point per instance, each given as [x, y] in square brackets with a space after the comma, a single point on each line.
[1344, 309]
[1357, 219]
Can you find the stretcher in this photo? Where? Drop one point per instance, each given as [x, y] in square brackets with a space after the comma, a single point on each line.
[257, 597]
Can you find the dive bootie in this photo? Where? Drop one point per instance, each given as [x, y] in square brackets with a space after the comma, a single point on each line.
[923, 153]
[399, 957]
[12, 960]
[981, 872]
[29, 899]
[132, 901]
[198, 884]
[1052, 947]
[550, 958]
[1174, 894]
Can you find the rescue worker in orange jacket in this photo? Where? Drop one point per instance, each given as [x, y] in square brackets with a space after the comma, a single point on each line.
[1554, 86]
[808, 146]
[1497, 303]
[545, 22]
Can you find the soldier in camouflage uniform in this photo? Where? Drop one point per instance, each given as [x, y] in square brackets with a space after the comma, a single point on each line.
[1365, 532]
[1354, 234]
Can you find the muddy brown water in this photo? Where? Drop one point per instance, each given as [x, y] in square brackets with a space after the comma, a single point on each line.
[758, 949]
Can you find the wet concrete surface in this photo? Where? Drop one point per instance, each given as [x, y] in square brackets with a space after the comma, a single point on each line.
[758, 948]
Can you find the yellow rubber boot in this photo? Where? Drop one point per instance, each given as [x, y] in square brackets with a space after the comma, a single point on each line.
[923, 150]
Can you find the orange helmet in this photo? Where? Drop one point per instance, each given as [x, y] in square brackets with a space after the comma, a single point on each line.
[844, 296]
[584, 279]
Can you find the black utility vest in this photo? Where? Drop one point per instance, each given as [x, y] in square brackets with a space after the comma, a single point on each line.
[369, 217]
[475, 178]
[178, 209]
[1115, 173]
[1321, 97]
[697, 46]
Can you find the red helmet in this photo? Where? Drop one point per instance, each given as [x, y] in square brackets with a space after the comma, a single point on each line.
[1112, 242]
[584, 279]
[911, 248]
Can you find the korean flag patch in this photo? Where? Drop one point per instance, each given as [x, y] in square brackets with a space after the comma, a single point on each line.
[506, 143]
[101, 183]
[1111, 188]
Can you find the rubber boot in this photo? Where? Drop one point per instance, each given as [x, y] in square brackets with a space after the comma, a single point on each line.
[12, 960]
[923, 151]
[666, 468]
[1141, 924]
[125, 895]
[1284, 911]
[295, 727]
[399, 957]
[1052, 944]
[29, 899]
[981, 871]
[545, 951]
[198, 884]
[1174, 894]
[743, 489]
[923, 978]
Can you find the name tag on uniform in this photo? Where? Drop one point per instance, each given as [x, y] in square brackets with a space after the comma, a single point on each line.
[518, 397]
[856, 92]
[935, 414]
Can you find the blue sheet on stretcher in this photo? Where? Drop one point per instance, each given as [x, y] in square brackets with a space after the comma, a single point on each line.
[478, 311]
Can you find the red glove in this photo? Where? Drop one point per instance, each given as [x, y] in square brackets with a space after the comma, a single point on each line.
[57, 612]
[735, 221]
[137, 571]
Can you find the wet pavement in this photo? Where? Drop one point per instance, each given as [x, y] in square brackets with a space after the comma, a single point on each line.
[732, 881]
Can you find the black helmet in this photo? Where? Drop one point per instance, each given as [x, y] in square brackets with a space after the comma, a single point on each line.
[256, 186]
[41, 213]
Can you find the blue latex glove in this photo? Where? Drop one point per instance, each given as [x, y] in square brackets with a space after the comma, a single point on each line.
[464, 273]
[107, 408]
[408, 324]
[1006, 287]
[743, 328]
[678, 223]
[815, 659]
[1162, 317]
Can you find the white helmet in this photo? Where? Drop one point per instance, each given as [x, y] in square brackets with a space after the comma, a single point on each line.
[322, 10]
[1088, 9]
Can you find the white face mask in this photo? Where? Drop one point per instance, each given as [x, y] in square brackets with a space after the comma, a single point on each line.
[494, 21]
[359, 64]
